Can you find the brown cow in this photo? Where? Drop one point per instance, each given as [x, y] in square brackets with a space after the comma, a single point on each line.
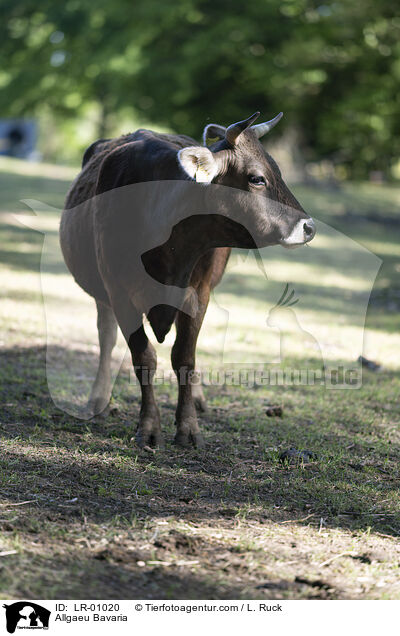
[153, 217]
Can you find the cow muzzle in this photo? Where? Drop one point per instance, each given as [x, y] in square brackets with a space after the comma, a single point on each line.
[302, 233]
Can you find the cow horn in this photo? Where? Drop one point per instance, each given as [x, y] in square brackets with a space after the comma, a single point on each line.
[262, 129]
[233, 131]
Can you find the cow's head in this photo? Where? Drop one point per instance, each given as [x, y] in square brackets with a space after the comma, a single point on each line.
[234, 157]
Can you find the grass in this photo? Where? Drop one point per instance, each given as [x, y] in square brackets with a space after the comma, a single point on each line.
[107, 520]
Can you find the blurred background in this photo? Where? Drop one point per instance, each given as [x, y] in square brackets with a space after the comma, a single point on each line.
[79, 70]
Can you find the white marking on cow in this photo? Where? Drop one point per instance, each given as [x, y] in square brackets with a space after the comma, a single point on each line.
[298, 236]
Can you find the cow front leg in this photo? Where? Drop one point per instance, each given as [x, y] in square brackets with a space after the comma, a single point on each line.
[144, 360]
[183, 362]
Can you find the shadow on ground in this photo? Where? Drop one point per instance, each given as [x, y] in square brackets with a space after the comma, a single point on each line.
[50, 457]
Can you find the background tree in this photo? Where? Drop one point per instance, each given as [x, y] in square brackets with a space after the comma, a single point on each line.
[332, 68]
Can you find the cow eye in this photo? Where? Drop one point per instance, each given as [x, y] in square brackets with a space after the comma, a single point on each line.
[257, 180]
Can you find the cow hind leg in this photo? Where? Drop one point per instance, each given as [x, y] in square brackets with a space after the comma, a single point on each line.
[144, 360]
[101, 391]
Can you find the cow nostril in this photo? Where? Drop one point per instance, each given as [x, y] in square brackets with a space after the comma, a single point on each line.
[308, 229]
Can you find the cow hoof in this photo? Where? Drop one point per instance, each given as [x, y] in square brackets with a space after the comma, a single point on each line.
[197, 440]
[187, 440]
[98, 406]
[149, 435]
[198, 398]
[200, 404]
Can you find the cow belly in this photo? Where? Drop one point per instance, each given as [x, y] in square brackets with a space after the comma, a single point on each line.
[77, 244]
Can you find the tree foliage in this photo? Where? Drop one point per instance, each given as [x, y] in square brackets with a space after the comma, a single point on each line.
[333, 68]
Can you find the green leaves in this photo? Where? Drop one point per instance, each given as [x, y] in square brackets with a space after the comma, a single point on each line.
[332, 68]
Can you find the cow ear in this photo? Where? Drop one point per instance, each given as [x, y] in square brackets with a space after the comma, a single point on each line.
[199, 163]
[213, 133]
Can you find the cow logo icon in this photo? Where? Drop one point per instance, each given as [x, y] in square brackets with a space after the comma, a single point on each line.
[26, 615]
